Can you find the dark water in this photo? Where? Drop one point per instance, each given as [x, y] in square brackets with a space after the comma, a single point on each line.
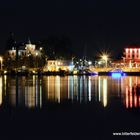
[69, 107]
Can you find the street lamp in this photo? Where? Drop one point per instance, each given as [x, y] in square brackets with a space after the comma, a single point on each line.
[105, 57]
[89, 62]
[1, 60]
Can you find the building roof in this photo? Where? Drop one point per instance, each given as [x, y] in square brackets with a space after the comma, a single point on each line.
[133, 46]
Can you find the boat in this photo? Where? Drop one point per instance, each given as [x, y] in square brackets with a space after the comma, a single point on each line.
[117, 73]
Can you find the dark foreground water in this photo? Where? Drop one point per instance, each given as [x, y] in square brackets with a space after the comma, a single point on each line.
[70, 107]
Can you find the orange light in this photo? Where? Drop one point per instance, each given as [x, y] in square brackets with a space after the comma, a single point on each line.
[135, 100]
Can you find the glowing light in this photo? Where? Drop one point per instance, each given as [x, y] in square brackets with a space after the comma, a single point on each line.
[116, 75]
[5, 72]
[89, 62]
[59, 63]
[71, 68]
[36, 54]
[104, 57]
[1, 59]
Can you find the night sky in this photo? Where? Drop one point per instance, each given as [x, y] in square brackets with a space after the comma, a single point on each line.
[96, 24]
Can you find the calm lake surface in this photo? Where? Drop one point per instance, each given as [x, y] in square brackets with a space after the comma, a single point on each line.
[36, 92]
[68, 106]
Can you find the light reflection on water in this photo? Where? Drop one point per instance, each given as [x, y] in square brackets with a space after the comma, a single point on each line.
[37, 91]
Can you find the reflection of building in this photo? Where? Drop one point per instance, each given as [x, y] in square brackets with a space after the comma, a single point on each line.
[56, 65]
[132, 93]
[24, 92]
[132, 99]
[72, 88]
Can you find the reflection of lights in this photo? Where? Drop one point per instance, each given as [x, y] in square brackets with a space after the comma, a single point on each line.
[105, 92]
[5, 81]
[127, 97]
[0, 90]
[36, 91]
[40, 94]
[139, 100]
[75, 87]
[130, 82]
[57, 88]
[130, 91]
[135, 100]
[48, 79]
[30, 96]
[81, 89]
[99, 80]
[70, 87]
[131, 100]
[89, 89]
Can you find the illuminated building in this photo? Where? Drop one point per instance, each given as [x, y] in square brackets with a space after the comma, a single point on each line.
[132, 55]
[56, 65]
[24, 50]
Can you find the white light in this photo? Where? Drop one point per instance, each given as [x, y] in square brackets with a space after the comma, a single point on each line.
[104, 57]
[36, 53]
[89, 62]
[59, 63]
